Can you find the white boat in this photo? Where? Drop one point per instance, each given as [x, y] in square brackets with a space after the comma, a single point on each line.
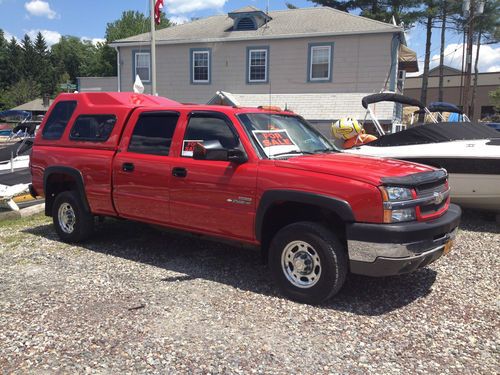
[470, 152]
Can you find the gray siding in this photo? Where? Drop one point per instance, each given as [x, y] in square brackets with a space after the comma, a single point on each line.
[361, 63]
[94, 84]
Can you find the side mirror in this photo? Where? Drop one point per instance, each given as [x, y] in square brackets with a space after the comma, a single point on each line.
[213, 150]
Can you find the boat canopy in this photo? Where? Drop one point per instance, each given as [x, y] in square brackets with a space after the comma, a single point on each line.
[436, 133]
[390, 97]
[13, 113]
[444, 107]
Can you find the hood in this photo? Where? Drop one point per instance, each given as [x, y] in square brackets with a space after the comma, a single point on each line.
[362, 168]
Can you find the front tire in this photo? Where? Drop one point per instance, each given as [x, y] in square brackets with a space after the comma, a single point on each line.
[308, 262]
[72, 222]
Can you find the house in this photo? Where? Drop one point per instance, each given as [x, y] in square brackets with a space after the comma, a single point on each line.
[97, 84]
[319, 56]
[453, 89]
[37, 107]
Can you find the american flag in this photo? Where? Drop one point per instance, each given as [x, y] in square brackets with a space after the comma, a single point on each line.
[158, 7]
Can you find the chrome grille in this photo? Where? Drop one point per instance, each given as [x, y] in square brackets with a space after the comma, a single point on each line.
[429, 189]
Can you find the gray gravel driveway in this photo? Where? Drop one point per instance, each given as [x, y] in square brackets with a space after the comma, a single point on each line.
[137, 300]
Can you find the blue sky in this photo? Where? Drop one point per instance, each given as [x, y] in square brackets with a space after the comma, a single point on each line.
[88, 19]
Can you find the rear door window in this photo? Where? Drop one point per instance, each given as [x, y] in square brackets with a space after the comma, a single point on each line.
[58, 120]
[153, 133]
[93, 128]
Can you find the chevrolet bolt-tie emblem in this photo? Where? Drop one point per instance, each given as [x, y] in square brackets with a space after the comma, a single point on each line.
[438, 197]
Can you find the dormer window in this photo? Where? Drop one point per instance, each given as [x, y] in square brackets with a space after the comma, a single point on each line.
[246, 23]
[248, 18]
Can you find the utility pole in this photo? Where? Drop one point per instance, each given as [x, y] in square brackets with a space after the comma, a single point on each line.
[468, 59]
[153, 49]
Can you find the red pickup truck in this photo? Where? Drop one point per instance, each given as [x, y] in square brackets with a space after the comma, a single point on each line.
[259, 176]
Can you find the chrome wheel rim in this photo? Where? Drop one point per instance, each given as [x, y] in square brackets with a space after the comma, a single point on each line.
[301, 264]
[67, 218]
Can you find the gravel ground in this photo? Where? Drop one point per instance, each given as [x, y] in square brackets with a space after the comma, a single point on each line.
[138, 300]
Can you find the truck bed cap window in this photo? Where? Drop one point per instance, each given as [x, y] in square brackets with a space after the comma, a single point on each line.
[93, 128]
[58, 119]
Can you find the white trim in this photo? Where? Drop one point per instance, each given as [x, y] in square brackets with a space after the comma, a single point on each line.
[142, 67]
[207, 52]
[329, 47]
[260, 37]
[250, 65]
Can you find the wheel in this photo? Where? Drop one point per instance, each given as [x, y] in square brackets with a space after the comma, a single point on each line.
[71, 221]
[307, 262]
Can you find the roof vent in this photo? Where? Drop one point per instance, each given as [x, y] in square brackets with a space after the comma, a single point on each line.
[246, 23]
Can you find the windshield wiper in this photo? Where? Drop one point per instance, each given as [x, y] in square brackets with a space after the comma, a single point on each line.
[323, 150]
[294, 152]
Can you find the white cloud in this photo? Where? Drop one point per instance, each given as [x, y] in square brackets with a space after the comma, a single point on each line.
[93, 40]
[188, 6]
[40, 8]
[51, 37]
[8, 36]
[179, 20]
[489, 56]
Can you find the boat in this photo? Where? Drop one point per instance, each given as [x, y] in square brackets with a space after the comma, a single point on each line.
[469, 151]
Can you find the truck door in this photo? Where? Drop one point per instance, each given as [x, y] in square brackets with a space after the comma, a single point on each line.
[142, 168]
[213, 196]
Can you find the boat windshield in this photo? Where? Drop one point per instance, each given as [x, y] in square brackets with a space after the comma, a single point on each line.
[279, 135]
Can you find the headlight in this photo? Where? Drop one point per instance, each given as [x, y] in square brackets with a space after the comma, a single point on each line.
[397, 194]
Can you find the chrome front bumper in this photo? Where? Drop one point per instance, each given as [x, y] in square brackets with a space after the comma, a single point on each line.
[392, 249]
[369, 251]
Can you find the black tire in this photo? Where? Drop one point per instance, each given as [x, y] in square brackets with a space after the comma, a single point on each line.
[333, 264]
[83, 224]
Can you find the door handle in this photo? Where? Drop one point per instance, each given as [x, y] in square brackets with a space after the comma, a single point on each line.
[179, 172]
[128, 167]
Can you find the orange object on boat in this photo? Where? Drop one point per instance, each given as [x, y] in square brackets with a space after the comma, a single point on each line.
[359, 140]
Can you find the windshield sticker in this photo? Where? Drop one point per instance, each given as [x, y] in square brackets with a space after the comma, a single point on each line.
[188, 146]
[275, 141]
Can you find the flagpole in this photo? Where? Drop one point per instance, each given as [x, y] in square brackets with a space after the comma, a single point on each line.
[153, 49]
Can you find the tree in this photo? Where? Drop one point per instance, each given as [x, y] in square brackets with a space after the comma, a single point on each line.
[131, 23]
[44, 71]
[29, 66]
[428, 17]
[291, 6]
[403, 11]
[14, 70]
[495, 98]
[4, 52]
[20, 93]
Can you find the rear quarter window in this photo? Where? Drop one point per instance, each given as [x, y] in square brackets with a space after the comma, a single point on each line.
[92, 128]
[58, 120]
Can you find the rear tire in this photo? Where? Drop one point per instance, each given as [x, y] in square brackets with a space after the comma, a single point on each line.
[72, 222]
[308, 262]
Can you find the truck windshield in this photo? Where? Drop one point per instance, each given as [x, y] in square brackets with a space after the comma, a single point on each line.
[278, 135]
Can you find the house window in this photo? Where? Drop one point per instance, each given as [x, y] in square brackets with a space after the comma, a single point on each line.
[320, 62]
[143, 66]
[200, 65]
[258, 65]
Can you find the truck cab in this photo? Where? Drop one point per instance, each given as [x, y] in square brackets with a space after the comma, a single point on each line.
[258, 176]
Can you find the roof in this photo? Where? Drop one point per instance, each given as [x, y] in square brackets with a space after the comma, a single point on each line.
[124, 99]
[311, 106]
[448, 70]
[292, 23]
[247, 9]
[34, 106]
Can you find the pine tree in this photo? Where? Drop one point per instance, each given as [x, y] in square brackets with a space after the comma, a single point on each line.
[29, 66]
[44, 71]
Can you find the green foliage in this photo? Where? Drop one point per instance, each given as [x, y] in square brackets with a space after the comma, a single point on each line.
[406, 11]
[291, 6]
[495, 98]
[20, 92]
[29, 68]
